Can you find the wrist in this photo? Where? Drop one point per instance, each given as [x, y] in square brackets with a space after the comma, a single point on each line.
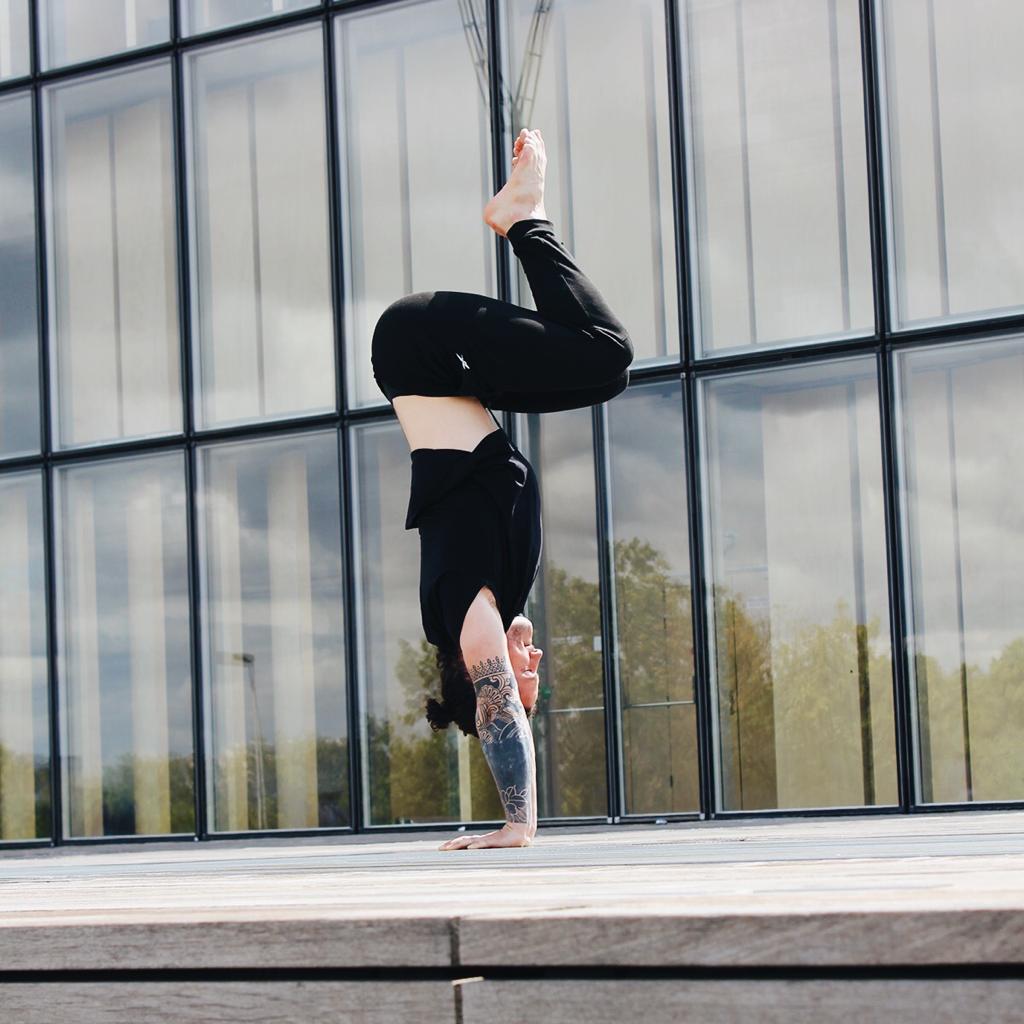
[520, 828]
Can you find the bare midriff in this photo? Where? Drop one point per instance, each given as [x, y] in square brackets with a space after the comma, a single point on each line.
[428, 421]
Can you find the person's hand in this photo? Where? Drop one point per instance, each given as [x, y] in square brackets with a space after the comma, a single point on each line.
[507, 835]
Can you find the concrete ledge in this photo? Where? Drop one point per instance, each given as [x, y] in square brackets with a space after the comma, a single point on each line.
[829, 939]
[283, 1002]
[938, 888]
[743, 1002]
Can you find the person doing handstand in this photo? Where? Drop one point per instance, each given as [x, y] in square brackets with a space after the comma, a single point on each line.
[444, 360]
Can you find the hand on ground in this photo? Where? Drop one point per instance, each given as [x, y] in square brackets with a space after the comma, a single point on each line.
[506, 836]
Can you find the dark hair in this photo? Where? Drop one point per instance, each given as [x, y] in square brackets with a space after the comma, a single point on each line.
[458, 698]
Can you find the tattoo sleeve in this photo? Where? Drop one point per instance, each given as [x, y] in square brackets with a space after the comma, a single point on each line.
[506, 738]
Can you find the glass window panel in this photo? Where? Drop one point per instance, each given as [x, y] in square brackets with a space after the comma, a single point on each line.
[123, 627]
[954, 88]
[412, 86]
[112, 249]
[653, 616]
[14, 39]
[205, 15]
[777, 170]
[585, 72]
[258, 175]
[77, 30]
[273, 633]
[799, 614]
[962, 467]
[19, 322]
[410, 773]
[24, 719]
[565, 607]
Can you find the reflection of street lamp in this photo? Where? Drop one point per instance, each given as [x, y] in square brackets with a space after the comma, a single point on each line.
[249, 660]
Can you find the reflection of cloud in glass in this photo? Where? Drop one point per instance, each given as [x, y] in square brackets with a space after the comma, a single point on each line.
[963, 471]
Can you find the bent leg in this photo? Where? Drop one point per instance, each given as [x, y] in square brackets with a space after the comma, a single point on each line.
[510, 357]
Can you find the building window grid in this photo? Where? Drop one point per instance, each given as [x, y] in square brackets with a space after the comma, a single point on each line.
[688, 371]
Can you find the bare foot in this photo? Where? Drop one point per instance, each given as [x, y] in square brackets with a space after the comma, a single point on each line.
[522, 196]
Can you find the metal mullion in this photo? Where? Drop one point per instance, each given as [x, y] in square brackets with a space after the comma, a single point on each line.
[777, 355]
[698, 601]
[33, 39]
[356, 811]
[680, 193]
[898, 612]
[849, 811]
[45, 441]
[504, 263]
[188, 448]
[614, 766]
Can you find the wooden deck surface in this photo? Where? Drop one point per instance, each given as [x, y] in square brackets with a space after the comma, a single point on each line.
[940, 892]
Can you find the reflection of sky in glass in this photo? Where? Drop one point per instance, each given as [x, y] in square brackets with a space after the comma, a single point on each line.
[22, 564]
[250, 509]
[415, 164]
[596, 71]
[14, 43]
[796, 490]
[387, 565]
[961, 425]
[775, 122]
[560, 448]
[116, 489]
[954, 152]
[73, 31]
[648, 472]
[258, 178]
[19, 352]
[205, 15]
[111, 251]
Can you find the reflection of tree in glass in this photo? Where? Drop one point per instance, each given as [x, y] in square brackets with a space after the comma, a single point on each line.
[30, 771]
[806, 678]
[991, 754]
[655, 656]
[414, 774]
[332, 789]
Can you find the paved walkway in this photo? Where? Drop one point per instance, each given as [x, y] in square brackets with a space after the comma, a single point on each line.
[877, 894]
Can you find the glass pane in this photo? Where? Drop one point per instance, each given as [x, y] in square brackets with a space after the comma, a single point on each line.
[73, 30]
[954, 88]
[19, 322]
[14, 39]
[585, 72]
[565, 607]
[123, 626]
[273, 633]
[412, 86]
[204, 15]
[24, 719]
[962, 469]
[778, 172]
[258, 177]
[410, 773]
[113, 274]
[653, 616]
[800, 652]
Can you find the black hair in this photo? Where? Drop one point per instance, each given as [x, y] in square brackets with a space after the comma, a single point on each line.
[458, 697]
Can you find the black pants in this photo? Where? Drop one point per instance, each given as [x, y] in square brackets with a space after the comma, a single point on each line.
[573, 352]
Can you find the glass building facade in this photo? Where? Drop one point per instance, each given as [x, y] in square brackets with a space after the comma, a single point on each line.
[781, 571]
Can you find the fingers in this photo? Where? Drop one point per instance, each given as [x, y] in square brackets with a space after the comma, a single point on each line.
[458, 843]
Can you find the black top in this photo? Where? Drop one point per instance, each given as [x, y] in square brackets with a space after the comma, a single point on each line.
[478, 516]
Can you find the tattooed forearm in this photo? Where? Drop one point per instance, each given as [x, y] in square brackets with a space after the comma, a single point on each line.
[505, 737]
